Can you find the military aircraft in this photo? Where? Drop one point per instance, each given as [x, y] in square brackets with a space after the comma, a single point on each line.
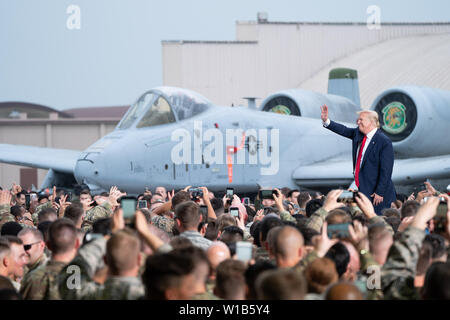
[175, 137]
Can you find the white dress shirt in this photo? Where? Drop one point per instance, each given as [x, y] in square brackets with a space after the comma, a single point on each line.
[368, 139]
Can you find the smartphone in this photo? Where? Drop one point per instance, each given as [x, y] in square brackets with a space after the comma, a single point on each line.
[27, 201]
[267, 194]
[246, 201]
[230, 193]
[234, 211]
[142, 204]
[69, 197]
[204, 210]
[128, 205]
[347, 196]
[339, 231]
[244, 251]
[440, 219]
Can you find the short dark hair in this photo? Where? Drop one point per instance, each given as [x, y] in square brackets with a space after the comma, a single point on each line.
[312, 206]
[17, 211]
[188, 213]
[179, 242]
[267, 224]
[62, 236]
[337, 216]
[102, 226]
[308, 235]
[230, 279]
[232, 234]
[44, 214]
[291, 192]
[43, 227]
[11, 228]
[437, 282]
[391, 212]
[42, 196]
[394, 222]
[437, 243]
[281, 284]
[165, 271]
[179, 197]
[252, 273]
[409, 208]
[74, 213]
[341, 257]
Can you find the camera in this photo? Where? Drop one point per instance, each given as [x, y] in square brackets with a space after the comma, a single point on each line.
[347, 197]
[196, 193]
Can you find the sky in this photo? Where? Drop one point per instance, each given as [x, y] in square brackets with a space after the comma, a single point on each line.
[115, 55]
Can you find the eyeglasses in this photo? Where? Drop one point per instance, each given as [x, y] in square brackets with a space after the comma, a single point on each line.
[27, 247]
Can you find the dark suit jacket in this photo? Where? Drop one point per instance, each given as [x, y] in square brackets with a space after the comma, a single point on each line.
[376, 166]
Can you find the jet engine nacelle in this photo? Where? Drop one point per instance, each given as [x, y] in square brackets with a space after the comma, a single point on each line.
[298, 102]
[416, 119]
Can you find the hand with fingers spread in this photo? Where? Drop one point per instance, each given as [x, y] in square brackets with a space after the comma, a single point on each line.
[322, 243]
[331, 202]
[15, 189]
[259, 215]
[5, 197]
[170, 195]
[431, 190]
[422, 195]
[114, 194]
[365, 205]
[405, 223]
[359, 235]
[278, 197]
[425, 213]
[324, 113]
[63, 205]
[377, 199]
[411, 197]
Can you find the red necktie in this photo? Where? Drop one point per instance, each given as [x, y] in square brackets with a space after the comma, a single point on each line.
[358, 161]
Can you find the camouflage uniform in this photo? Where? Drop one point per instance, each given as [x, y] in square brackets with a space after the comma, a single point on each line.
[43, 259]
[5, 214]
[316, 220]
[197, 239]
[397, 274]
[285, 215]
[38, 209]
[261, 254]
[97, 212]
[205, 296]
[367, 261]
[310, 257]
[164, 223]
[88, 261]
[41, 283]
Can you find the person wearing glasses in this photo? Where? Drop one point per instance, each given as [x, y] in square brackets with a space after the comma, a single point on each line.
[34, 245]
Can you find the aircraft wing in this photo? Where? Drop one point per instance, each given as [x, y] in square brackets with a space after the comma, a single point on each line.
[61, 160]
[334, 173]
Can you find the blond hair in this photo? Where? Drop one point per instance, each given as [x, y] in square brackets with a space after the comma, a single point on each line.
[373, 116]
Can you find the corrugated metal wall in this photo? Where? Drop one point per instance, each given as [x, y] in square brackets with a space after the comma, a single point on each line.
[284, 56]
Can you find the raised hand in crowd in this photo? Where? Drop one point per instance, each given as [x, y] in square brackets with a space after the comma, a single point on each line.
[331, 202]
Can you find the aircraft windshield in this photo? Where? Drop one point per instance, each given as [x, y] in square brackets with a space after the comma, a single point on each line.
[185, 103]
[159, 113]
[137, 110]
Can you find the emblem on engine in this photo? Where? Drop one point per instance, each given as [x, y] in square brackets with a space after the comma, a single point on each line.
[281, 109]
[394, 118]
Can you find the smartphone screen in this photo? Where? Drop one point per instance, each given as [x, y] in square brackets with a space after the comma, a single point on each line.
[246, 201]
[234, 212]
[346, 196]
[230, 192]
[339, 231]
[266, 194]
[69, 197]
[128, 206]
[142, 204]
[27, 200]
[244, 251]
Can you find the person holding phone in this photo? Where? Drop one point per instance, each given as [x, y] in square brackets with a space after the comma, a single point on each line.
[373, 157]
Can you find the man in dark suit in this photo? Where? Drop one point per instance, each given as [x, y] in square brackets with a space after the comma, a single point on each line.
[373, 157]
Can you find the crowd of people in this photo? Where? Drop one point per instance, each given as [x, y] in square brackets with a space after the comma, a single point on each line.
[197, 245]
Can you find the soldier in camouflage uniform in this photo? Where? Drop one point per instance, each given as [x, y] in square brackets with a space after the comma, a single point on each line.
[122, 249]
[34, 246]
[398, 273]
[41, 283]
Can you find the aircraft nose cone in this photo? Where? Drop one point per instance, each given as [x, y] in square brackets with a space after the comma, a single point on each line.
[86, 171]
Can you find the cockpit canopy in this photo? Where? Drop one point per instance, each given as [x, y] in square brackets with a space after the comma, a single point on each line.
[163, 105]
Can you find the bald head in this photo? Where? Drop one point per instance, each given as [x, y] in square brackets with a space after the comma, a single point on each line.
[344, 291]
[288, 246]
[217, 252]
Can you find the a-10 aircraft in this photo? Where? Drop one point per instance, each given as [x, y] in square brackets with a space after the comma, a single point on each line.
[175, 137]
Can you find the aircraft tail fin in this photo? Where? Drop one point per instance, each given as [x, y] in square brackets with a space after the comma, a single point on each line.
[344, 82]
